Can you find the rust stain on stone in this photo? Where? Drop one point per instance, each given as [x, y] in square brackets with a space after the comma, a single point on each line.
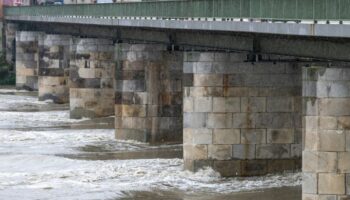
[91, 104]
[248, 121]
[274, 135]
[344, 124]
[130, 111]
[166, 99]
[248, 117]
[226, 85]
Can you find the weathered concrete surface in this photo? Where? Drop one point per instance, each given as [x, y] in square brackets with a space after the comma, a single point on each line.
[300, 29]
[242, 119]
[54, 55]
[148, 93]
[326, 157]
[27, 54]
[91, 78]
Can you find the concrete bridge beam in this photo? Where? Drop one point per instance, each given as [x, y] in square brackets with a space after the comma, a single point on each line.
[148, 106]
[91, 78]
[27, 57]
[241, 119]
[54, 56]
[326, 156]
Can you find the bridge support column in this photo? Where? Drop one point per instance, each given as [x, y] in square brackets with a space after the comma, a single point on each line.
[54, 53]
[148, 93]
[10, 42]
[27, 60]
[91, 78]
[241, 119]
[326, 155]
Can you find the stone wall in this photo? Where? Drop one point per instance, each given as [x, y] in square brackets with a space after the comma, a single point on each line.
[10, 42]
[148, 93]
[240, 118]
[27, 60]
[326, 156]
[91, 78]
[54, 53]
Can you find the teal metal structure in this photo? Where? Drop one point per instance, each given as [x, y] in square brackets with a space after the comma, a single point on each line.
[252, 9]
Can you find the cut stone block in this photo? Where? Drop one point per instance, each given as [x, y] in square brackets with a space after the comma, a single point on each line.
[331, 183]
[220, 152]
[226, 136]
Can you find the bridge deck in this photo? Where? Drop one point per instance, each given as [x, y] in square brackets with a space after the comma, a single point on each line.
[209, 24]
[287, 17]
[298, 29]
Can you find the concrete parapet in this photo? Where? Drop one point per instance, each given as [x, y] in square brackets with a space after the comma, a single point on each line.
[54, 56]
[326, 157]
[241, 119]
[27, 56]
[91, 78]
[148, 106]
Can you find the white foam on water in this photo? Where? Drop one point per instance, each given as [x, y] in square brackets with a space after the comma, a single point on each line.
[30, 168]
[4, 91]
[9, 119]
[8, 100]
[28, 164]
[36, 173]
[60, 141]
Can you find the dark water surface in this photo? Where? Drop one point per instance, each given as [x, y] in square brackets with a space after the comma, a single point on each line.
[284, 193]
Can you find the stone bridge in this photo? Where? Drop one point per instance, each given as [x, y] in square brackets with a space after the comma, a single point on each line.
[248, 87]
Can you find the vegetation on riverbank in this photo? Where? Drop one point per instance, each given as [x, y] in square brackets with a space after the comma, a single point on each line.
[7, 77]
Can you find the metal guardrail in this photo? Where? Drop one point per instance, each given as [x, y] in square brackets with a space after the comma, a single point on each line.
[253, 9]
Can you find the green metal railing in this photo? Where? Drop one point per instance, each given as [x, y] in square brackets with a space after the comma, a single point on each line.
[255, 9]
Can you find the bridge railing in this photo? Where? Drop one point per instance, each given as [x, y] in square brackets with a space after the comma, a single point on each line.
[253, 9]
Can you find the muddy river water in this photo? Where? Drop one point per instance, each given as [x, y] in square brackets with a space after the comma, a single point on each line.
[46, 155]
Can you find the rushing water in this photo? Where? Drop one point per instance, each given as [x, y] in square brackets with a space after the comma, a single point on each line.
[45, 155]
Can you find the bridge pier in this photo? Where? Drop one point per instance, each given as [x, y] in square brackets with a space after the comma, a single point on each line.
[148, 93]
[91, 78]
[27, 51]
[326, 156]
[54, 53]
[10, 42]
[241, 119]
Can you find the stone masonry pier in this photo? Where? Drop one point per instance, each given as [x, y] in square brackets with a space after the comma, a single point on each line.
[148, 93]
[91, 78]
[240, 118]
[10, 42]
[27, 56]
[54, 53]
[326, 157]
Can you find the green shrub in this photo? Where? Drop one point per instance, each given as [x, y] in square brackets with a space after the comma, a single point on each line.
[6, 77]
[9, 79]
